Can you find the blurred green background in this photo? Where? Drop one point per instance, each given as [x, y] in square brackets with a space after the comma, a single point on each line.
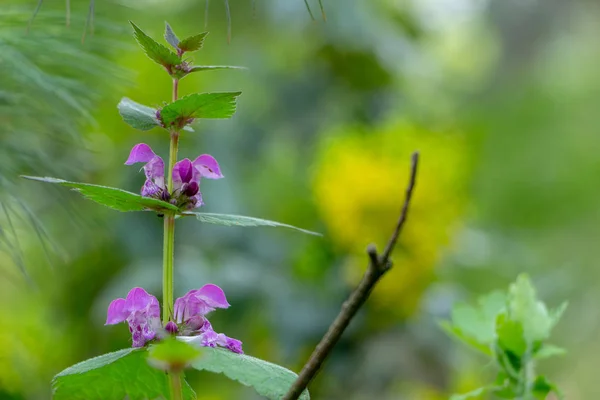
[502, 98]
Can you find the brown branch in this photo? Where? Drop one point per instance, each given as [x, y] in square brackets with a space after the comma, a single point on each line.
[378, 266]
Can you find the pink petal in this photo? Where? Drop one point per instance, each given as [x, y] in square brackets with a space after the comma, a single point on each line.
[155, 169]
[213, 296]
[116, 312]
[208, 167]
[140, 153]
[138, 299]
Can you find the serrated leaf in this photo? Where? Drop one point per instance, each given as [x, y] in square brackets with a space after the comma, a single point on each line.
[239, 220]
[137, 115]
[198, 68]
[170, 36]
[155, 51]
[199, 105]
[119, 375]
[117, 199]
[192, 43]
[269, 380]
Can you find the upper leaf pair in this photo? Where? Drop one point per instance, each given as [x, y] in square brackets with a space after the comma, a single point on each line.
[179, 114]
[172, 61]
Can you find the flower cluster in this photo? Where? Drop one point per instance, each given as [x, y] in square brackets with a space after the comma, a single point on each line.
[189, 323]
[186, 176]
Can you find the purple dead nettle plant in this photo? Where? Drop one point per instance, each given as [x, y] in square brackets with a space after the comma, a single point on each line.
[181, 336]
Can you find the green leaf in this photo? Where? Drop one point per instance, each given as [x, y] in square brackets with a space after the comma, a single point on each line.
[137, 115]
[524, 307]
[199, 105]
[548, 350]
[172, 354]
[474, 394]
[170, 36]
[192, 43]
[510, 335]
[239, 220]
[478, 323]
[198, 68]
[155, 51]
[269, 380]
[542, 387]
[114, 198]
[119, 375]
[468, 340]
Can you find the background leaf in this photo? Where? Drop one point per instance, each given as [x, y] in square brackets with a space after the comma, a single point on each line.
[269, 380]
[239, 220]
[524, 307]
[119, 375]
[137, 115]
[199, 105]
[156, 51]
[476, 325]
[117, 199]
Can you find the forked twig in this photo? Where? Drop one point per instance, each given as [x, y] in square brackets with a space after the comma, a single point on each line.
[378, 266]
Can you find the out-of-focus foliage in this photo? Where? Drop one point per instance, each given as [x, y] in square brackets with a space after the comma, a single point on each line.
[512, 330]
[358, 188]
[500, 97]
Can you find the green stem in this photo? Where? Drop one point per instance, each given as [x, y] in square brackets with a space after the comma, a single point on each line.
[168, 252]
[169, 227]
[175, 386]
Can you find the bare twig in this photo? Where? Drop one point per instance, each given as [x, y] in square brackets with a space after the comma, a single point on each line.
[378, 266]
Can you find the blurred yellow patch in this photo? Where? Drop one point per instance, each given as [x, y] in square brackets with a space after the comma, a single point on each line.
[359, 183]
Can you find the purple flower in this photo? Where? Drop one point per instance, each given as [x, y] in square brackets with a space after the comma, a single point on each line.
[141, 311]
[186, 176]
[207, 337]
[190, 311]
[198, 303]
[154, 168]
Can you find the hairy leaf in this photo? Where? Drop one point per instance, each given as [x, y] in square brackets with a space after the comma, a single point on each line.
[239, 220]
[119, 375]
[198, 68]
[269, 380]
[156, 51]
[192, 43]
[117, 199]
[199, 105]
[170, 36]
[137, 115]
